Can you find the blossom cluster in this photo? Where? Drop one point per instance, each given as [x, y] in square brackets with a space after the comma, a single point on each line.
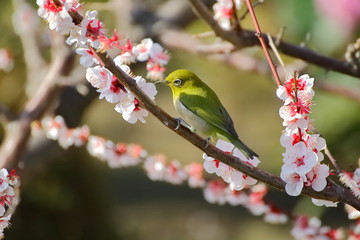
[303, 156]
[118, 155]
[216, 191]
[237, 180]
[224, 12]
[9, 197]
[305, 228]
[113, 91]
[252, 198]
[89, 37]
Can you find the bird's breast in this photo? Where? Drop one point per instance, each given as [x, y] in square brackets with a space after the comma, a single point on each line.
[197, 123]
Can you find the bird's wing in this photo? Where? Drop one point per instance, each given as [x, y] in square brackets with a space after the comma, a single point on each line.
[211, 110]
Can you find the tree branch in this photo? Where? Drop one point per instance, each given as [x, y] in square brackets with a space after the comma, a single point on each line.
[248, 38]
[18, 131]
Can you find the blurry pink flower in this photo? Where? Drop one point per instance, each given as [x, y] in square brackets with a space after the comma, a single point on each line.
[6, 60]
[214, 192]
[275, 215]
[174, 173]
[235, 198]
[344, 13]
[155, 167]
[195, 174]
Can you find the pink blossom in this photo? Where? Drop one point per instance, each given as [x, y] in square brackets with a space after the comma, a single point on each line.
[316, 178]
[130, 110]
[98, 77]
[4, 184]
[90, 30]
[317, 144]
[142, 50]
[299, 159]
[107, 43]
[107, 84]
[352, 180]
[13, 178]
[155, 71]
[4, 223]
[9, 183]
[290, 114]
[88, 57]
[304, 86]
[57, 16]
[290, 137]
[294, 182]
[211, 165]
[130, 107]
[127, 56]
[158, 54]
[236, 179]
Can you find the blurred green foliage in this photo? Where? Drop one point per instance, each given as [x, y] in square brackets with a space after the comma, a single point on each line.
[70, 195]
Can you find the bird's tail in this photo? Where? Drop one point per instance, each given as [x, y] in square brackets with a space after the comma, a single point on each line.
[244, 148]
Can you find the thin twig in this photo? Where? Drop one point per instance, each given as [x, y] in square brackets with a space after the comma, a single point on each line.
[263, 44]
[332, 160]
[257, 3]
[279, 36]
[277, 55]
[235, 17]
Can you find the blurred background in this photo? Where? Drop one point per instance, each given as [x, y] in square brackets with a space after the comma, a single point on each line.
[67, 194]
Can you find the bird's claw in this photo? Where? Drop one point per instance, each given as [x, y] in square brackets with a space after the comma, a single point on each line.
[207, 142]
[179, 121]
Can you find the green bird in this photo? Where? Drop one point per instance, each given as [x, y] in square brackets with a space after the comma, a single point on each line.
[202, 110]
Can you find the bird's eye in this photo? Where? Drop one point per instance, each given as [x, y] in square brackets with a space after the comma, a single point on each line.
[177, 82]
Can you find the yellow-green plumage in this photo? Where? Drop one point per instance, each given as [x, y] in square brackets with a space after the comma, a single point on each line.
[202, 110]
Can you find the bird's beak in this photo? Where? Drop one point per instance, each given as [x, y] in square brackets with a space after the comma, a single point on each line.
[162, 82]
